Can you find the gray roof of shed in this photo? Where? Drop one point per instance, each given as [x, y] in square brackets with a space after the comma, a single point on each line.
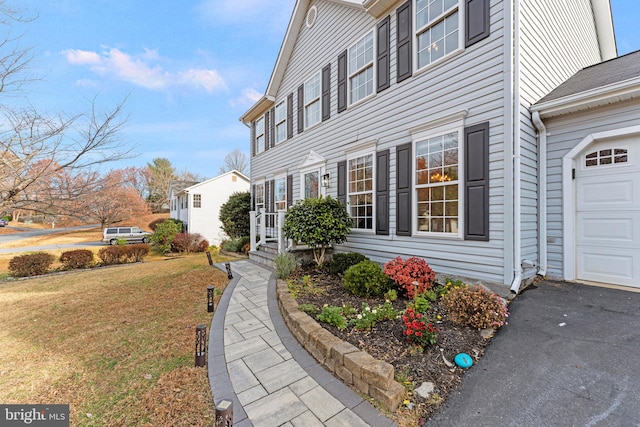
[613, 71]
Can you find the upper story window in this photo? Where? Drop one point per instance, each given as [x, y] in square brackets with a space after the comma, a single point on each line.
[437, 29]
[280, 193]
[312, 92]
[360, 191]
[437, 185]
[197, 200]
[259, 148]
[281, 121]
[361, 68]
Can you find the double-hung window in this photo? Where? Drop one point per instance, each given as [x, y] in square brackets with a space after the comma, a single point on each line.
[360, 191]
[312, 90]
[361, 68]
[281, 121]
[437, 184]
[197, 200]
[259, 148]
[437, 29]
[280, 193]
[259, 196]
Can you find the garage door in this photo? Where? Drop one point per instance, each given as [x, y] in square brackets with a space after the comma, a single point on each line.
[608, 213]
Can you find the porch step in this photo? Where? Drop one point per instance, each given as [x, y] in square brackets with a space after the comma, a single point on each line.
[270, 247]
[265, 258]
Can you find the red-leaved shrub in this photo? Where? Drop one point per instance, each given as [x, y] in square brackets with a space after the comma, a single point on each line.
[30, 264]
[79, 258]
[413, 276]
[189, 242]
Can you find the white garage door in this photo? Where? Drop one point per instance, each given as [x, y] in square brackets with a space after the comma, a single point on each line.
[608, 213]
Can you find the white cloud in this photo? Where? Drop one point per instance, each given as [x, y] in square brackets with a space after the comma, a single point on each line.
[248, 97]
[141, 70]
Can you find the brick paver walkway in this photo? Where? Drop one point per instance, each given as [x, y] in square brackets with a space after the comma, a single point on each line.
[257, 364]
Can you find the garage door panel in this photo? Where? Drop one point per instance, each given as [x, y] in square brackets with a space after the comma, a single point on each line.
[600, 266]
[609, 192]
[617, 229]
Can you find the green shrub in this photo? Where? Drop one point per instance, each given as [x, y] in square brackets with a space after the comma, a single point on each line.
[333, 315]
[310, 309]
[235, 245]
[420, 304]
[165, 234]
[79, 258]
[341, 262]
[285, 264]
[30, 264]
[234, 215]
[318, 223]
[391, 295]
[366, 279]
[476, 307]
[153, 224]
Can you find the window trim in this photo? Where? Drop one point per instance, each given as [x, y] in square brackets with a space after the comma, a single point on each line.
[259, 145]
[372, 64]
[317, 100]
[417, 31]
[313, 163]
[439, 127]
[282, 122]
[369, 151]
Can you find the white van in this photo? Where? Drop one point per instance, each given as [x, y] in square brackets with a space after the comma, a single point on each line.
[111, 235]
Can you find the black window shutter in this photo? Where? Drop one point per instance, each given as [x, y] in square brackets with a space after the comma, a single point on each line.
[252, 147]
[267, 130]
[342, 82]
[476, 182]
[403, 189]
[477, 17]
[273, 127]
[289, 190]
[342, 182]
[290, 116]
[326, 92]
[253, 197]
[300, 108]
[404, 37]
[382, 192]
[383, 65]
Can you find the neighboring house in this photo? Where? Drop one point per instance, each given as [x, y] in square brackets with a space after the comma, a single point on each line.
[198, 205]
[416, 115]
[178, 200]
[590, 138]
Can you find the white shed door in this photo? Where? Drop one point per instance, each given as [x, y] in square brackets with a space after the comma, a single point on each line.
[608, 213]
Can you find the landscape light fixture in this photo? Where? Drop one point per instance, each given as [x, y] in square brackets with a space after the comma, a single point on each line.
[227, 265]
[210, 302]
[201, 345]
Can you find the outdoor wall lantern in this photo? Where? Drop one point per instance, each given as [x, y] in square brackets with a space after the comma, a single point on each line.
[201, 345]
[227, 265]
[210, 302]
[326, 180]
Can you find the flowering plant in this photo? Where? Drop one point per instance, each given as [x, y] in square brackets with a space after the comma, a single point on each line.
[418, 331]
[413, 276]
[368, 317]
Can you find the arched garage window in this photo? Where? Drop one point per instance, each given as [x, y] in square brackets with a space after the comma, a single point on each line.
[606, 156]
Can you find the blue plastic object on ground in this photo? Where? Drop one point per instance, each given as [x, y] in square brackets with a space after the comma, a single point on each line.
[463, 360]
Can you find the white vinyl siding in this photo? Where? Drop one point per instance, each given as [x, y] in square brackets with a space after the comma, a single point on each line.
[437, 24]
[312, 90]
[281, 122]
[361, 69]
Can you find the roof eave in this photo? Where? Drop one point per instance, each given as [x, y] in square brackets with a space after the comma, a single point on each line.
[377, 8]
[258, 109]
[618, 92]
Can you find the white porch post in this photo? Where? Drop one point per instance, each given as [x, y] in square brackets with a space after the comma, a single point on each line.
[263, 226]
[281, 239]
[252, 229]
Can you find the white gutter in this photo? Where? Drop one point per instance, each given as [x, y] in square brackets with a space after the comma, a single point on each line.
[542, 193]
[517, 232]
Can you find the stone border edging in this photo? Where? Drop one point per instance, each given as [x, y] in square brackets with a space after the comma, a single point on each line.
[354, 367]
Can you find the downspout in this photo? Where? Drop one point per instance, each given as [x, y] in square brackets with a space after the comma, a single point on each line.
[517, 232]
[542, 192]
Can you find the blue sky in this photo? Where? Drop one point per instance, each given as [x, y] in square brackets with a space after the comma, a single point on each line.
[190, 69]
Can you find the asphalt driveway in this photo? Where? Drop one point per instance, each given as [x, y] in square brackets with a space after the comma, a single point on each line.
[570, 356]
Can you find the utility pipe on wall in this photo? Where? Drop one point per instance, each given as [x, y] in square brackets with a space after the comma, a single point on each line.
[542, 193]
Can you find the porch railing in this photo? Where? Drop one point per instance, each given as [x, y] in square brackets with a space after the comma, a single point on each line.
[267, 227]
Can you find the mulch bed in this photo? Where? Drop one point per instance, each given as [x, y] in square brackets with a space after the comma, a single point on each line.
[385, 341]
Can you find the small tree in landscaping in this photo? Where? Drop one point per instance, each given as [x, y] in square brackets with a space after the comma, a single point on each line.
[234, 215]
[318, 223]
[165, 234]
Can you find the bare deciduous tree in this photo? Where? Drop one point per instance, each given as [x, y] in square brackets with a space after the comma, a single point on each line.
[235, 160]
